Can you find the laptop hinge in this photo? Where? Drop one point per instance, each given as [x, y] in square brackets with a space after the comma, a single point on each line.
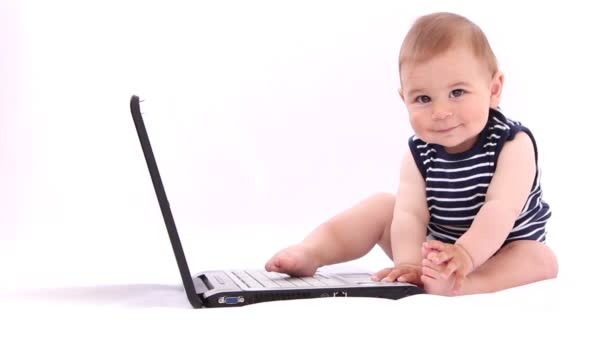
[202, 284]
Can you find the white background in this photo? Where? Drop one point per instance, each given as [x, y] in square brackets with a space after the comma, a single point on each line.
[267, 118]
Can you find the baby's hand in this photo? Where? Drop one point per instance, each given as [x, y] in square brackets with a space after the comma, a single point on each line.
[405, 273]
[451, 259]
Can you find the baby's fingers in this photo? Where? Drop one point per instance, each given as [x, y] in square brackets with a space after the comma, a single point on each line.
[450, 268]
[411, 277]
[393, 275]
[458, 282]
[439, 257]
[381, 274]
[425, 249]
[434, 244]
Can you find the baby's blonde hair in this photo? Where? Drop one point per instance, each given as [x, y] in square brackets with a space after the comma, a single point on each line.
[435, 33]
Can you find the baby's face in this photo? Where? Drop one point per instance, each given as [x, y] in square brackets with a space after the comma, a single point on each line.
[449, 97]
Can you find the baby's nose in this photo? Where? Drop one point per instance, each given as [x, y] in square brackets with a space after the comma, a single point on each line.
[441, 114]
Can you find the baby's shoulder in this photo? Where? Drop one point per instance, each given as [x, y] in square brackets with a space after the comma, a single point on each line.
[503, 128]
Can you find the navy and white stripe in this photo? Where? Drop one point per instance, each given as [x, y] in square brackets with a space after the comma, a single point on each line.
[456, 184]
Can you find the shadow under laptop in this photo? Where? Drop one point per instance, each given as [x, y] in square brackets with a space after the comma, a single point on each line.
[124, 295]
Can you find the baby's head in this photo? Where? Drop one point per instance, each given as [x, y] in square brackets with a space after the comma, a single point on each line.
[449, 80]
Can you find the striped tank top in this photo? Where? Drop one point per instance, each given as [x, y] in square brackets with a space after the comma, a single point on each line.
[456, 184]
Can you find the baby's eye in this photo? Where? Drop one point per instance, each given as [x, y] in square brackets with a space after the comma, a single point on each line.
[456, 93]
[423, 99]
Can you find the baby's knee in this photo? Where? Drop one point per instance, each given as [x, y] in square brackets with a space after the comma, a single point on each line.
[541, 255]
[546, 259]
[552, 266]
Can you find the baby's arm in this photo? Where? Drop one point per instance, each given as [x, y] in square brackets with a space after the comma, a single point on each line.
[408, 229]
[505, 198]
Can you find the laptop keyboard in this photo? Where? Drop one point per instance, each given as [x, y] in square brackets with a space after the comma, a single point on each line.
[263, 279]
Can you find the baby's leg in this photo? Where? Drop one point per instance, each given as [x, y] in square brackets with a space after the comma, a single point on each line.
[346, 236]
[518, 263]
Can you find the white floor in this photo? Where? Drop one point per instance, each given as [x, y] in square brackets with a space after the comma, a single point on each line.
[119, 295]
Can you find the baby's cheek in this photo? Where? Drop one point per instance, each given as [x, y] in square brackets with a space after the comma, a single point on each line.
[418, 123]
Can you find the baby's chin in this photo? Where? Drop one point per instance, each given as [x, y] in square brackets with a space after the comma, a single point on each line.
[451, 145]
[443, 140]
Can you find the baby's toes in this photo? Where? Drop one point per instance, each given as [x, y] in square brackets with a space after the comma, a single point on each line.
[438, 286]
[273, 265]
[429, 284]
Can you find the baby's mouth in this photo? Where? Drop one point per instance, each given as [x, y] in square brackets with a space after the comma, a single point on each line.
[445, 130]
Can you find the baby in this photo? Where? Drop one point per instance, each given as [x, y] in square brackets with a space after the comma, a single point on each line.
[468, 216]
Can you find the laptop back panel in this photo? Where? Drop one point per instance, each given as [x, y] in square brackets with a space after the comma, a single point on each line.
[163, 202]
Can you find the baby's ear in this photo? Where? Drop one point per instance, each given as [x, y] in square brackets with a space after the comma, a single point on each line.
[496, 89]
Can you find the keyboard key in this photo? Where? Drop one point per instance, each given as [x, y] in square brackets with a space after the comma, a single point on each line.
[312, 281]
[257, 275]
[220, 279]
[276, 275]
[284, 283]
[263, 279]
[248, 280]
[269, 284]
[329, 281]
[252, 282]
[298, 282]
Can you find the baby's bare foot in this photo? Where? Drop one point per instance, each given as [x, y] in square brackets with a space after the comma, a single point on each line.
[433, 282]
[297, 260]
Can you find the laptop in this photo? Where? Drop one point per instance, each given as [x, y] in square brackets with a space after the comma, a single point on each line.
[231, 288]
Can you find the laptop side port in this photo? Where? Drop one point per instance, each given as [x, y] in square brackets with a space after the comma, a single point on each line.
[231, 300]
[340, 294]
